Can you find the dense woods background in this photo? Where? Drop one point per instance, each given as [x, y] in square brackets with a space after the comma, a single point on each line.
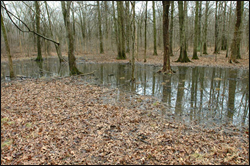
[106, 27]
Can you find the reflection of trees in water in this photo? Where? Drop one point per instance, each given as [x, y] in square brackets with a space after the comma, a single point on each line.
[231, 95]
[40, 65]
[194, 90]
[180, 92]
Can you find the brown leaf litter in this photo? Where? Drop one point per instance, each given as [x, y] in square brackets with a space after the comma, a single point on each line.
[66, 121]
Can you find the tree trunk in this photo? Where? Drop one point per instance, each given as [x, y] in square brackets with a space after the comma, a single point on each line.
[216, 48]
[127, 27]
[171, 29]
[236, 40]
[133, 42]
[186, 24]
[199, 28]
[39, 51]
[228, 29]
[205, 29]
[106, 18]
[196, 31]
[7, 48]
[224, 39]
[100, 28]
[115, 26]
[154, 30]
[145, 34]
[166, 58]
[121, 31]
[70, 40]
[240, 30]
[58, 47]
[183, 52]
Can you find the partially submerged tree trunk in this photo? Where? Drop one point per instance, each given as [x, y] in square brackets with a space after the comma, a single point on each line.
[183, 52]
[236, 40]
[7, 48]
[39, 51]
[195, 56]
[71, 57]
[154, 30]
[166, 58]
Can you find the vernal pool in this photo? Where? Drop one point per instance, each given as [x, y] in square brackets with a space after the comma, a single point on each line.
[207, 95]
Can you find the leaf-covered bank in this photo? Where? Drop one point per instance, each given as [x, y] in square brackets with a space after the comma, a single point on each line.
[66, 121]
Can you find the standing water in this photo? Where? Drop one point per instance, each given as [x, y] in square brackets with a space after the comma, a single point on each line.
[209, 95]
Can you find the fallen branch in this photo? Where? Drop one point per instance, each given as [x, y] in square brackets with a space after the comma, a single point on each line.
[84, 74]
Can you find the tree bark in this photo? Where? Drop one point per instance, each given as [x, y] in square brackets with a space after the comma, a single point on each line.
[127, 27]
[70, 40]
[121, 31]
[171, 29]
[145, 34]
[133, 41]
[39, 51]
[166, 58]
[205, 29]
[115, 27]
[7, 48]
[224, 39]
[216, 48]
[100, 28]
[183, 52]
[228, 29]
[240, 31]
[154, 30]
[195, 56]
[199, 27]
[236, 40]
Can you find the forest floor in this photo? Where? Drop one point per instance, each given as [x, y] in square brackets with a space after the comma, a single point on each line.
[69, 121]
[218, 60]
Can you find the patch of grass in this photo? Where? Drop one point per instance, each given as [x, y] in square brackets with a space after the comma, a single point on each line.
[6, 143]
[11, 122]
[28, 124]
[3, 120]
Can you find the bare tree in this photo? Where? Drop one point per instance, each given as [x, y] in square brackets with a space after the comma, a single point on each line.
[236, 40]
[58, 47]
[216, 31]
[39, 51]
[196, 31]
[133, 41]
[100, 28]
[145, 41]
[166, 58]
[70, 38]
[171, 29]
[121, 31]
[205, 29]
[154, 29]
[7, 48]
[183, 52]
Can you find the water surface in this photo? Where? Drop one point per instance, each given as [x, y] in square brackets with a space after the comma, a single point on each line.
[208, 95]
